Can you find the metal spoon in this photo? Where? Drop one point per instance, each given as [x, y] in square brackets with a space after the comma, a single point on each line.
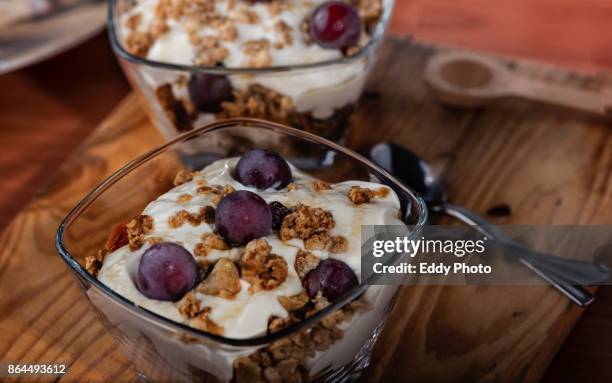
[564, 274]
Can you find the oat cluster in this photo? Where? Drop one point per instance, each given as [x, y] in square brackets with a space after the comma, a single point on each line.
[359, 195]
[285, 360]
[258, 101]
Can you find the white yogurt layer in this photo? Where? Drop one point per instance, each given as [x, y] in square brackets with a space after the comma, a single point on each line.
[174, 46]
[246, 315]
[319, 91]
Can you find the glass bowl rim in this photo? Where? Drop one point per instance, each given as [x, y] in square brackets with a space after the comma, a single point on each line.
[125, 170]
[120, 51]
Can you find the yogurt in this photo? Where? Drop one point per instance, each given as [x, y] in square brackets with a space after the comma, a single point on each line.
[247, 314]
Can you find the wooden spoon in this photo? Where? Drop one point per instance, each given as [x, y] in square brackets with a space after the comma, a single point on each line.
[471, 80]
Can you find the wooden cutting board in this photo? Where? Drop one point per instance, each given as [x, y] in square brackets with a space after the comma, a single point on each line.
[549, 165]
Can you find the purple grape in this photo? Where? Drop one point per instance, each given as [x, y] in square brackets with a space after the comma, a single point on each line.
[208, 91]
[242, 216]
[332, 277]
[263, 169]
[335, 24]
[166, 271]
[279, 211]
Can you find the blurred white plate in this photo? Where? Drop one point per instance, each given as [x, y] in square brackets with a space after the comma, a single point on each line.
[34, 40]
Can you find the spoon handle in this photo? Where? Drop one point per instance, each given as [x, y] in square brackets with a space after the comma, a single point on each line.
[574, 271]
[558, 272]
[557, 95]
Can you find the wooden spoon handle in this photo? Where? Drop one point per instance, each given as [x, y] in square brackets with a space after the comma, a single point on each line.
[564, 96]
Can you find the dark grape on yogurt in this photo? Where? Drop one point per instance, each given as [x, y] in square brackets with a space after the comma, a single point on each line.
[166, 271]
[242, 216]
[332, 277]
[263, 169]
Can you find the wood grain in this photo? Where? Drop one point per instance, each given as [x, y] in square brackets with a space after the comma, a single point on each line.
[549, 165]
[46, 111]
[540, 161]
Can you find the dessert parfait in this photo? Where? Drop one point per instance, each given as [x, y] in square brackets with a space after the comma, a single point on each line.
[300, 63]
[247, 247]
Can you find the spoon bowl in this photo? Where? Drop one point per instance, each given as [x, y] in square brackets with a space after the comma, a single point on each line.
[410, 169]
[566, 275]
[466, 80]
[470, 80]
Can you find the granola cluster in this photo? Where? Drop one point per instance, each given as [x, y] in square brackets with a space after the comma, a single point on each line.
[210, 241]
[257, 53]
[370, 12]
[262, 269]
[217, 190]
[305, 261]
[137, 228]
[176, 110]
[205, 214]
[183, 176]
[121, 234]
[313, 226]
[359, 195]
[255, 101]
[223, 280]
[304, 222]
[285, 360]
[259, 102]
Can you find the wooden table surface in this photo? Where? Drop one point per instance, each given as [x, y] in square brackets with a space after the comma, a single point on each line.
[48, 109]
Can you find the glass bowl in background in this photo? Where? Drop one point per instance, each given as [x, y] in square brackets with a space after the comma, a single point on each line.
[322, 95]
[164, 350]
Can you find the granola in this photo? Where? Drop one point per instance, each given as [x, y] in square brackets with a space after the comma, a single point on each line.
[208, 214]
[183, 198]
[294, 302]
[319, 185]
[305, 221]
[183, 216]
[93, 264]
[305, 261]
[259, 102]
[359, 195]
[338, 244]
[285, 360]
[210, 241]
[137, 228]
[189, 307]
[182, 177]
[217, 190]
[262, 269]
[317, 241]
[203, 322]
[223, 280]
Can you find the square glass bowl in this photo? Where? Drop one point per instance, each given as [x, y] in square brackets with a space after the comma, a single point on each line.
[163, 350]
[318, 98]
